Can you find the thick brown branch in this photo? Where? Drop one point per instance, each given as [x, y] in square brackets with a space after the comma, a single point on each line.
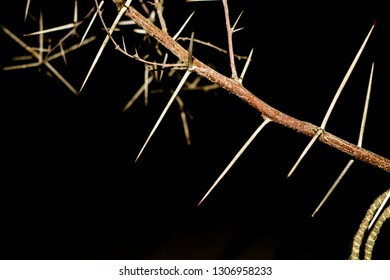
[239, 90]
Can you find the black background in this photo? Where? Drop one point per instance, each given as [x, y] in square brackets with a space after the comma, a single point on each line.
[70, 188]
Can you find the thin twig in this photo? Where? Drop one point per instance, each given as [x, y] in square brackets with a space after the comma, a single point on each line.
[230, 40]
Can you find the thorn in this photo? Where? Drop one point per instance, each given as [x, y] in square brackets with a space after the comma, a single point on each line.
[183, 116]
[110, 31]
[333, 186]
[91, 22]
[58, 28]
[124, 43]
[364, 118]
[346, 77]
[75, 14]
[136, 95]
[177, 90]
[234, 25]
[319, 132]
[26, 11]
[182, 27]
[246, 66]
[236, 157]
[333, 103]
[190, 50]
[63, 54]
[162, 70]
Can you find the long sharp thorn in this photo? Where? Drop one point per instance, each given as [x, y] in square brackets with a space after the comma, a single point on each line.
[91, 22]
[39, 57]
[136, 95]
[246, 66]
[40, 37]
[63, 54]
[364, 118]
[26, 11]
[360, 141]
[162, 70]
[311, 143]
[20, 42]
[333, 186]
[110, 31]
[243, 148]
[235, 23]
[335, 98]
[124, 44]
[58, 28]
[184, 120]
[61, 78]
[182, 81]
[346, 77]
[72, 48]
[182, 27]
[75, 14]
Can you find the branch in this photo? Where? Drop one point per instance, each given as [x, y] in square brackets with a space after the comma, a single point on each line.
[266, 110]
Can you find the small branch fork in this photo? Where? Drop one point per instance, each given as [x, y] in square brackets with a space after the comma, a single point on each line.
[266, 110]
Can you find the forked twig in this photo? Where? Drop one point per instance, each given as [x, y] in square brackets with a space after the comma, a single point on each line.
[230, 40]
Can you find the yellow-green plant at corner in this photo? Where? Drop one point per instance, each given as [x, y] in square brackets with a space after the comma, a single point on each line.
[365, 225]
